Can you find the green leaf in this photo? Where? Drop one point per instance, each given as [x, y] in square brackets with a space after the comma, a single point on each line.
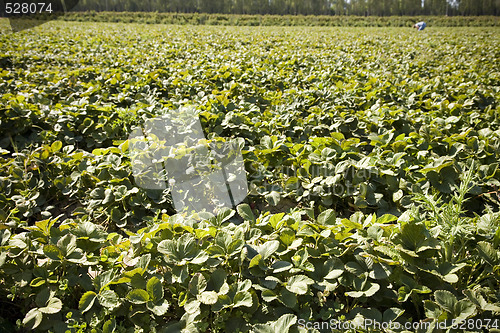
[245, 212]
[138, 296]
[108, 197]
[87, 301]
[298, 284]
[354, 268]
[217, 281]
[412, 235]
[450, 278]
[464, 310]
[432, 310]
[363, 288]
[284, 323]
[118, 216]
[158, 309]
[54, 305]
[273, 198]
[328, 217]
[182, 250]
[144, 261]
[276, 220]
[5, 234]
[43, 296]
[255, 261]
[52, 252]
[355, 294]
[289, 299]
[124, 146]
[371, 313]
[37, 282]
[334, 268]
[56, 146]
[387, 218]
[263, 328]
[155, 289]
[3, 258]
[396, 196]
[197, 284]
[222, 216]
[392, 314]
[287, 236]
[372, 289]
[109, 326]
[67, 244]
[475, 297]
[281, 266]
[488, 253]
[445, 299]
[104, 279]
[243, 298]
[223, 301]
[200, 258]
[351, 224]
[208, 297]
[268, 295]
[192, 306]
[32, 319]
[108, 298]
[380, 271]
[268, 248]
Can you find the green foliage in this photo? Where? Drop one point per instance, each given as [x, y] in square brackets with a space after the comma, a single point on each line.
[281, 20]
[372, 157]
[330, 271]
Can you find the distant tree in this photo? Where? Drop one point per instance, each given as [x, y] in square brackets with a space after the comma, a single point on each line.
[302, 7]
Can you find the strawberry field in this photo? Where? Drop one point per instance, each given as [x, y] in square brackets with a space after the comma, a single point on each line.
[371, 156]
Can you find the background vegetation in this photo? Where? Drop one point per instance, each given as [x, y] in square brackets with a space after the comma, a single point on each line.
[371, 154]
[281, 20]
[301, 7]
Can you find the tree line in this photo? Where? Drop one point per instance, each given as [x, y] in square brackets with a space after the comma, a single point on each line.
[301, 7]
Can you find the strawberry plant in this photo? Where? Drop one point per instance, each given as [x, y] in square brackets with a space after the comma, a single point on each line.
[372, 164]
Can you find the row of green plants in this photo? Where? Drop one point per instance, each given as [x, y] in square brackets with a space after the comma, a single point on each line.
[279, 20]
[371, 157]
[215, 274]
